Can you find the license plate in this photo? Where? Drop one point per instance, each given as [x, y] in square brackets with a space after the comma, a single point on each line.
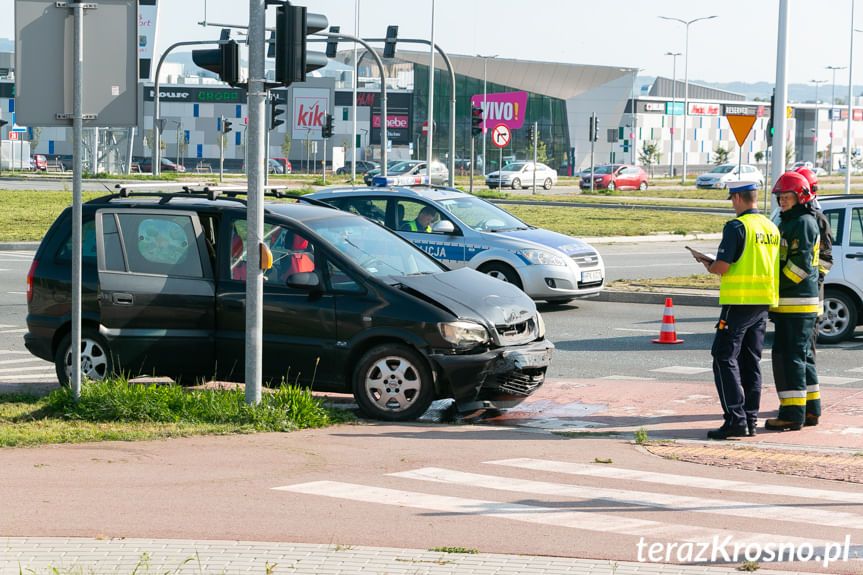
[533, 359]
[591, 276]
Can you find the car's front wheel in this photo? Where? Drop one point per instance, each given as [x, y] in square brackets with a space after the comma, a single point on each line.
[393, 382]
[642, 186]
[502, 272]
[96, 360]
[516, 184]
[547, 184]
[839, 320]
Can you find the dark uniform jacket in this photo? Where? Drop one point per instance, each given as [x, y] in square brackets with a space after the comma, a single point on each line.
[798, 261]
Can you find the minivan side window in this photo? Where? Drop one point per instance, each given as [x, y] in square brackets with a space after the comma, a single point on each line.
[292, 252]
[88, 245]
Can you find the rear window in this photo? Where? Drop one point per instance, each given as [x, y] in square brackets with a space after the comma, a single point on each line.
[88, 245]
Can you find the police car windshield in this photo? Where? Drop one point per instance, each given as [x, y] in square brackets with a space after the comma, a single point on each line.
[378, 251]
[481, 215]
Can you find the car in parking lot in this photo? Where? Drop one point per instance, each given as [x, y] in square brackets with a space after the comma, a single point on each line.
[471, 232]
[413, 172]
[615, 177]
[720, 176]
[367, 177]
[284, 163]
[349, 306]
[38, 163]
[146, 165]
[843, 285]
[362, 167]
[517, 175]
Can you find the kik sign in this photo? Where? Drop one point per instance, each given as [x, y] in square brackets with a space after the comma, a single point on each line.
[506, 108]
[311, 105]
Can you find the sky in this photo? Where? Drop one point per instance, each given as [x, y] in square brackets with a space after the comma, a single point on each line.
[738, 45]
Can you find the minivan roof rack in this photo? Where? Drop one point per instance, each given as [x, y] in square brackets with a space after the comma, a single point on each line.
[211, 191]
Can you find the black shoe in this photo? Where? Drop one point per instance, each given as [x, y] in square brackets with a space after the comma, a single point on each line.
[727, 431]
[782, 425]
[752, 427]
[811, 420]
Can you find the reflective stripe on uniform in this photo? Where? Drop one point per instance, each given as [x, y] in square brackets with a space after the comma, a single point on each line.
[794, 272]
[792, 397]
[797, 305]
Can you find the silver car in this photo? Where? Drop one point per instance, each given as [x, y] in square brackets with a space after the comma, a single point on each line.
[517, 175]
[462, 230]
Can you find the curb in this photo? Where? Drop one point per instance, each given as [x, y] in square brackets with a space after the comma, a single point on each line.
[703, 299]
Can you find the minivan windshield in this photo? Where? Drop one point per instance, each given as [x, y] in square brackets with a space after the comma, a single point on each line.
[378, 251]
[481, 215]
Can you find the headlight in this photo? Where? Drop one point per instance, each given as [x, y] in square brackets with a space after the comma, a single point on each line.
[463, 334]
[540, 326]
[542, 257]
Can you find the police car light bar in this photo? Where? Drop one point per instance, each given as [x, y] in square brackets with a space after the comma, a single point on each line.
[383, 181]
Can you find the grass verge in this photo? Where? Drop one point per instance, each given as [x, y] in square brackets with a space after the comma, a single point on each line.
[115, 410]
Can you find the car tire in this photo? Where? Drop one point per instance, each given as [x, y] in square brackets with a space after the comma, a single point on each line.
[516, 184]
[393, 382]
[642, 186]
[502, 272]
[546, 185]
[96, 361]
[611, 186]
[840, 318]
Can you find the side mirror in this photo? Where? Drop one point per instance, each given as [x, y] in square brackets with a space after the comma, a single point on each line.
[304, 280]
[443, 227]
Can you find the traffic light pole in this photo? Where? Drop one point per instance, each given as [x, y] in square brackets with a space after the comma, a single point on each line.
[472, 140]
[156, 151]
[221, 146]
[534, 157]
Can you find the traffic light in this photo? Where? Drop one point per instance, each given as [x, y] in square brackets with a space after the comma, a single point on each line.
[476, 127]
[3, 123]
[530, 133]
[275, 111]
[772, 111]
[593, 133]
[390, 43]
[224, 61]
[226, 126]
[332, 44]
[293, 61]
[327, 128]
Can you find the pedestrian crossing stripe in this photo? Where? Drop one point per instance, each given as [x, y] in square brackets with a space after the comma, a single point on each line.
[665, 501]
[23, 369]
[787, 492]
[552, 515]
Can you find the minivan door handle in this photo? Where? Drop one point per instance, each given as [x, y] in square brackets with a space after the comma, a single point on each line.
[122, 298]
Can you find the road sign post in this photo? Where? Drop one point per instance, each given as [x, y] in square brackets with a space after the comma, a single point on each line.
[500, 137]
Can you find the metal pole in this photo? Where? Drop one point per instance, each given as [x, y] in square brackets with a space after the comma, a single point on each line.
[77, 135]
[633, 117]
[255, 219]
[534, 157]
[781, 99]
[832, 103]
[674, 56]
[484, 108]
[472, 161]
[848, 138]
[685, 103]
[354, 110]
[222, 146]
[593, 123]
[324, 167]
[430, 143]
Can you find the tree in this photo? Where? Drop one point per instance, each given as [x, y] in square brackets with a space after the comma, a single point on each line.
[720, 155]
[649, 155]
[758, 157]
[286, 145]
[541, 155]
[35, 133]
[789, 154]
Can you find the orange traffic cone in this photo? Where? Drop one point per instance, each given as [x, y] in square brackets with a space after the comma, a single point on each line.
[668, 334]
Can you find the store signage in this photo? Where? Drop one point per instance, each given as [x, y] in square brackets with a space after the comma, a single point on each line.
[653, 107]
[311, 105]
[210, 95]
[674, 108]
[700, 109]
[506, 108]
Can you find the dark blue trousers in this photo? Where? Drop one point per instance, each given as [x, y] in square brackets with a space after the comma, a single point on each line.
[736, 355]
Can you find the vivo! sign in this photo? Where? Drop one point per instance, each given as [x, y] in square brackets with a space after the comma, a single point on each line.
[506, 108]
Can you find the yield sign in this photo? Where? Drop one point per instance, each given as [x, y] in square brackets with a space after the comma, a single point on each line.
[741, 126]
[500, 135]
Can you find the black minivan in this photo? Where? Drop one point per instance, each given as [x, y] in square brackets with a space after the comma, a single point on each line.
[348, 306]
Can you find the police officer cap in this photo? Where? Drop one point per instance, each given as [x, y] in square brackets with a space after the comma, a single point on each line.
[734, 187]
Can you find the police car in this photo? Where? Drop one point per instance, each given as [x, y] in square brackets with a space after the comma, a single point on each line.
[462, 230]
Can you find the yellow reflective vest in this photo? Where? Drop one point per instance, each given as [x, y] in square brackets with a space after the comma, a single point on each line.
[752, 279]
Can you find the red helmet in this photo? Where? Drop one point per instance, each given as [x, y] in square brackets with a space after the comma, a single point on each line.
[810, 177]
[794, 182]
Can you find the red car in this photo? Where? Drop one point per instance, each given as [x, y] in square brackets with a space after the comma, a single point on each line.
[616, 177]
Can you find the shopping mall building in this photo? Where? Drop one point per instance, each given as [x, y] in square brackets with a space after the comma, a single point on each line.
[558, 97]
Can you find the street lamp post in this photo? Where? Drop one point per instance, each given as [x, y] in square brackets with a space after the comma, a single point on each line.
[686, 23]
[832, 103]
[815, 137]
[674, 56]
[484, 108]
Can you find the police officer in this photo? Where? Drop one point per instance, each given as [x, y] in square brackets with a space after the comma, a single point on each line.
[797, 311]
[423, 221]
[747, 260]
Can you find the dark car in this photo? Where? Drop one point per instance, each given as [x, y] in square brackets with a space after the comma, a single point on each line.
[349, 306]
[362, 167]
[146, 165]
[616, 177]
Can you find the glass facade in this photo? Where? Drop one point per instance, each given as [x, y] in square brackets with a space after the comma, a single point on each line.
[548, 112]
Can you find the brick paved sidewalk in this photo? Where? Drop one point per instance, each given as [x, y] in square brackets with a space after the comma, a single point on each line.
[67, 556]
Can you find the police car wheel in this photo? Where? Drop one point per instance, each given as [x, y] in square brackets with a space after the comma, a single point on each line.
[839, 320]
[502, 272]
[393, 382]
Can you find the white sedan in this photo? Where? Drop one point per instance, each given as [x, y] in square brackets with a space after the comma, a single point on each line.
[517, 175]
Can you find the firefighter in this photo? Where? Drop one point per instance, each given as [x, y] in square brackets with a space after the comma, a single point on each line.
[797, 311]
[747, 260]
